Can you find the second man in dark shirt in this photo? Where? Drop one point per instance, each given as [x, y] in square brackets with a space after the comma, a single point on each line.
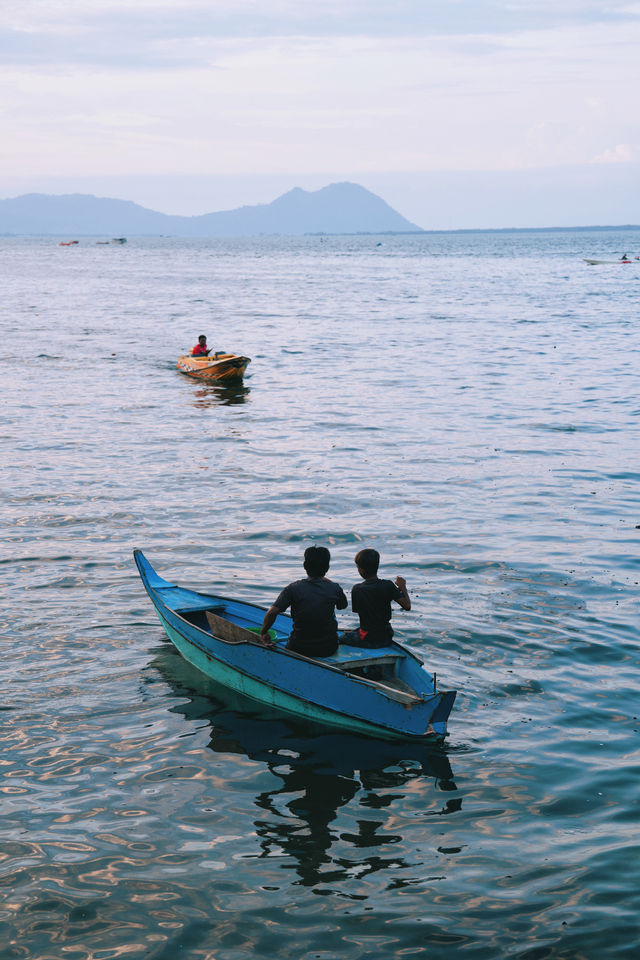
[371, 600]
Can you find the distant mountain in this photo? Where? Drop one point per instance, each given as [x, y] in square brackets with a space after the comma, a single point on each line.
[337, 208]
[39, 214]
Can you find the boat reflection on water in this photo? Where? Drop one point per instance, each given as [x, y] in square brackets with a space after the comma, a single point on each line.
[316, 773]
[221, 395]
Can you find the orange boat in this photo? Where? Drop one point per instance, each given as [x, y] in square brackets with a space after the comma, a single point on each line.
[219, 366]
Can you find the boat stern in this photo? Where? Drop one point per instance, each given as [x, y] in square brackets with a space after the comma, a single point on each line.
[438, 722]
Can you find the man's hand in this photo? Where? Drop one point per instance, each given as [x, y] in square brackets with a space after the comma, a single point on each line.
[404, 600]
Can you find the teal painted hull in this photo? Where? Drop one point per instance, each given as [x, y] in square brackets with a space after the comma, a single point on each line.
[334, 691]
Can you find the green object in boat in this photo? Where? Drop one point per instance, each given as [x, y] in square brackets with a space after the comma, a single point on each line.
[272, 634]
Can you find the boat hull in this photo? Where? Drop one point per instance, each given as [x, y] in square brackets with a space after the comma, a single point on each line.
[321, 691]
[220, 367]
[594, 262]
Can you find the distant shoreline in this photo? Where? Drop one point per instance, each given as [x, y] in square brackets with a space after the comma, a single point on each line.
[379, 233]
[591, 229]
[409, 233]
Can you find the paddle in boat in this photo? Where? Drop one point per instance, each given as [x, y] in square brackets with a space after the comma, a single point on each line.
[219, 366]
[385, 693]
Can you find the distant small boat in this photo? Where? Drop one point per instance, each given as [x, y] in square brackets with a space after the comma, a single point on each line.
[119, 240]
[384, 693]
[68, 243]
[626, 260]
[220, 366]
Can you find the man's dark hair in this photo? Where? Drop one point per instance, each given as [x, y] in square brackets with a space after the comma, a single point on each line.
[316, 561]
[368, 561]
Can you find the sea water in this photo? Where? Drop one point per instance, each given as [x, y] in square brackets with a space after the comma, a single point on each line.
[466, 404]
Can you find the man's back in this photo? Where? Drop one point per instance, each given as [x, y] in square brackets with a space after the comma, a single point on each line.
[313, 601]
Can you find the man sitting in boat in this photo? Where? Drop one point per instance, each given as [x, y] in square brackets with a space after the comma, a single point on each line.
[201, 349]
[313, 602]
[371, 599]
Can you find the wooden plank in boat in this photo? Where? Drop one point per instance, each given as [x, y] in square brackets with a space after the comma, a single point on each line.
[231, 632]
[402, 694]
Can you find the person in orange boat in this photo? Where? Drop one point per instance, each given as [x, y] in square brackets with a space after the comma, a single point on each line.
[201, 349]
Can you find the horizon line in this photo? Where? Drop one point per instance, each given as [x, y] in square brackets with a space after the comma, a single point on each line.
[359, 233]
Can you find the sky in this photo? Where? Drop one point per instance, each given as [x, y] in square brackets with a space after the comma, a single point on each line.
[460, 113]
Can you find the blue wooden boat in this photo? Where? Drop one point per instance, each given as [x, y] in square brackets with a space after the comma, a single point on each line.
[384, 693]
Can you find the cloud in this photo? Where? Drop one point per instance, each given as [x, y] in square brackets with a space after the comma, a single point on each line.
[149, 33]
[160, 87]
[621, 153]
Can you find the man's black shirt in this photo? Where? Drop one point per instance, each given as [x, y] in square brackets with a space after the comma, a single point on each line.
[371, 599]
[313, 602]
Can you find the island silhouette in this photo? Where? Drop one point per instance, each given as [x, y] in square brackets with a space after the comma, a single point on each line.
[339, 208]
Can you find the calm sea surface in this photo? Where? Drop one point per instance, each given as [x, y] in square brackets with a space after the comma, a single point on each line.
[469, 405]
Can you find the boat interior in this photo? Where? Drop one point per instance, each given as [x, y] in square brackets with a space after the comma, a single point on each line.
[215, 358]
[383, 670]
[199, 617]
[381, 667]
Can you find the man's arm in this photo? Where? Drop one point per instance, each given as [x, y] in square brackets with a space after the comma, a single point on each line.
[404, 600]
[267, 623]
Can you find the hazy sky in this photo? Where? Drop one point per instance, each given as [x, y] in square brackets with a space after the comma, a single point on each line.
[251, 97]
